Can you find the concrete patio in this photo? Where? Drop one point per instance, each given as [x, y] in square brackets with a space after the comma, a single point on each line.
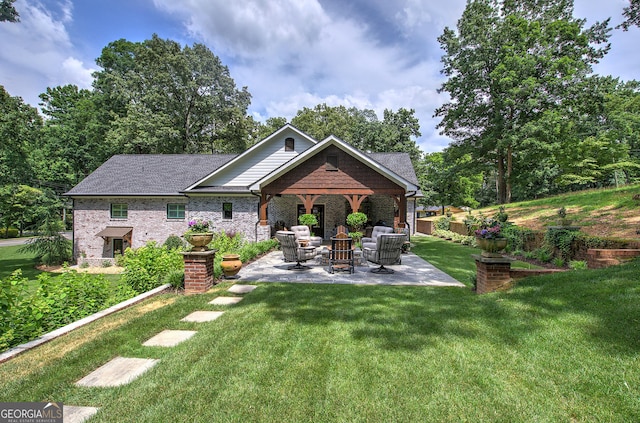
[413, 271]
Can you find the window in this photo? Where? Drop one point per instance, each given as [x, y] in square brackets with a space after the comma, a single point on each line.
[175, 211]
[227, 210]
[332, 162]
[119, 211]
[289, 144]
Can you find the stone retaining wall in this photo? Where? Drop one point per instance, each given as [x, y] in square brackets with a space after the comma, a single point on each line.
[598, 258]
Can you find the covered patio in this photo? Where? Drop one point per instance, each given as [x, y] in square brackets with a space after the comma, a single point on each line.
[333, 182]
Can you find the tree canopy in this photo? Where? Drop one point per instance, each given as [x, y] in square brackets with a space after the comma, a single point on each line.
[165, 98]
[512, 66]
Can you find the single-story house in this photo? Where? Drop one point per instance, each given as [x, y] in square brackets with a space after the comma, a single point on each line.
[133, 199]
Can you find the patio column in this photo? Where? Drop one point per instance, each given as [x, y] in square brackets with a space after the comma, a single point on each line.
[401, 201]
[264, 202]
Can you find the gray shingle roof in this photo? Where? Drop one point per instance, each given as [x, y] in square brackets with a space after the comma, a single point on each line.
[149, 174]
[171, 174]
[399, 163]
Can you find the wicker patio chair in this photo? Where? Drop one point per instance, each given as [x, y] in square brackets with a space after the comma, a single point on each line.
[387, 251]
[292, 252]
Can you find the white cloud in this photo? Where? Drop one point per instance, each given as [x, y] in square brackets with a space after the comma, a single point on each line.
[40, 53]
[251, 27]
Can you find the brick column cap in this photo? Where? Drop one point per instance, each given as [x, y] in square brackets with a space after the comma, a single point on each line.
[198, 253]
[492, 260]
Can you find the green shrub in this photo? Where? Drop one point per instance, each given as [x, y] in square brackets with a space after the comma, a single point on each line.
[51, 247]
[558, 262]
[146, 266]
[443, 223]
[175, 278]
[70, 297]
[11, 233]
[517, 237]
[174, 242]
[577, 265]
[543, 255]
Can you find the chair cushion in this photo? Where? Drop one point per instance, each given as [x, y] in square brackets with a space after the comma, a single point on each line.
[377, 230]
[302, 232]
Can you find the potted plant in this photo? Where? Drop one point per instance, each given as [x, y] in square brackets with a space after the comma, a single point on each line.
[199, 234]
[308, 219]
[356, 222]
[562, 213]
[489, 238]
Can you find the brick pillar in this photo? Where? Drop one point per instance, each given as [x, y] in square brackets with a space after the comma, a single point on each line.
[198, 271]
[492, 273]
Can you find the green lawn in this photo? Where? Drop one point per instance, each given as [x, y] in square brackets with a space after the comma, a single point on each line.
[11, 259]
[562, 347]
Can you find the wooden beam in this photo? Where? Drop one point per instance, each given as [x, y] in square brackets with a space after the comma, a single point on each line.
[355, 201]
[308, 201]
[264, 202]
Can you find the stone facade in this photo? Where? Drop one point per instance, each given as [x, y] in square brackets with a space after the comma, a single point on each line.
[148, 218]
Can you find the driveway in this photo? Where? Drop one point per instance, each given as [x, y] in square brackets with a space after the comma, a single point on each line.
[20, 241]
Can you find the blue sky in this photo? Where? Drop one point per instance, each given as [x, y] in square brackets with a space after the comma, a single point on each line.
[291, 54]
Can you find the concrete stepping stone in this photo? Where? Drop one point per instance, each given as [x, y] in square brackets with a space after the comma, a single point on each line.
[202, 316]
[76, 414]
[225, 300]
[242, 289]
[169, 338]
[119, 371]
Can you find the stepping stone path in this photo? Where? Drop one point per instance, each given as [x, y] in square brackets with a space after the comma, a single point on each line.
[202, 316]
[169, 338]
[122, 370]
[225, 300]
[119, 371]
[74, 414]
[242, 289]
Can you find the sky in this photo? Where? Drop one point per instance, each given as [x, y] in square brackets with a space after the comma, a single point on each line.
[368, 54]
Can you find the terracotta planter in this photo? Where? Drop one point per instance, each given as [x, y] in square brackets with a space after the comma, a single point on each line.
[492, 247]
[199, 241]
[231, 265]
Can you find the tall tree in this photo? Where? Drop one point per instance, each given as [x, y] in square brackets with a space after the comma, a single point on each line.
[19, 129]
[8, 12]
[72, 144]
[631, 14]
[362, 128]
[508, 64]
[168, 99]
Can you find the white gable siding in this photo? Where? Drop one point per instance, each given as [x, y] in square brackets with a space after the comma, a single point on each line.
[263, 160]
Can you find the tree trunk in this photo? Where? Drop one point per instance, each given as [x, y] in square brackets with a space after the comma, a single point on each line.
[500, 180]
[507, 197]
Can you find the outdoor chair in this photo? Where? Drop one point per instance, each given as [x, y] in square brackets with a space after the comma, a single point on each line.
[293, 252]
[303, 233]
[341, 253]
[387, 251]
[370, 242]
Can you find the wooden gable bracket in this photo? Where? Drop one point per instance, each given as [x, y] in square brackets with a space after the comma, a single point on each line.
[307, 201]
[355, 201]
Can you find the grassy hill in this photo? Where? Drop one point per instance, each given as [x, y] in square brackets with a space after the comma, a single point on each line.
[610, 212]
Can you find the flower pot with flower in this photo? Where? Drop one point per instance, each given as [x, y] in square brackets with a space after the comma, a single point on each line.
[489, 238]
[199, 234]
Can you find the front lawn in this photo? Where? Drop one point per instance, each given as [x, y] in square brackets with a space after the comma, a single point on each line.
[560, 347]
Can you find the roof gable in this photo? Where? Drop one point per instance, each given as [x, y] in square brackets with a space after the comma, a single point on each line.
[258, 161]
[406, 180]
